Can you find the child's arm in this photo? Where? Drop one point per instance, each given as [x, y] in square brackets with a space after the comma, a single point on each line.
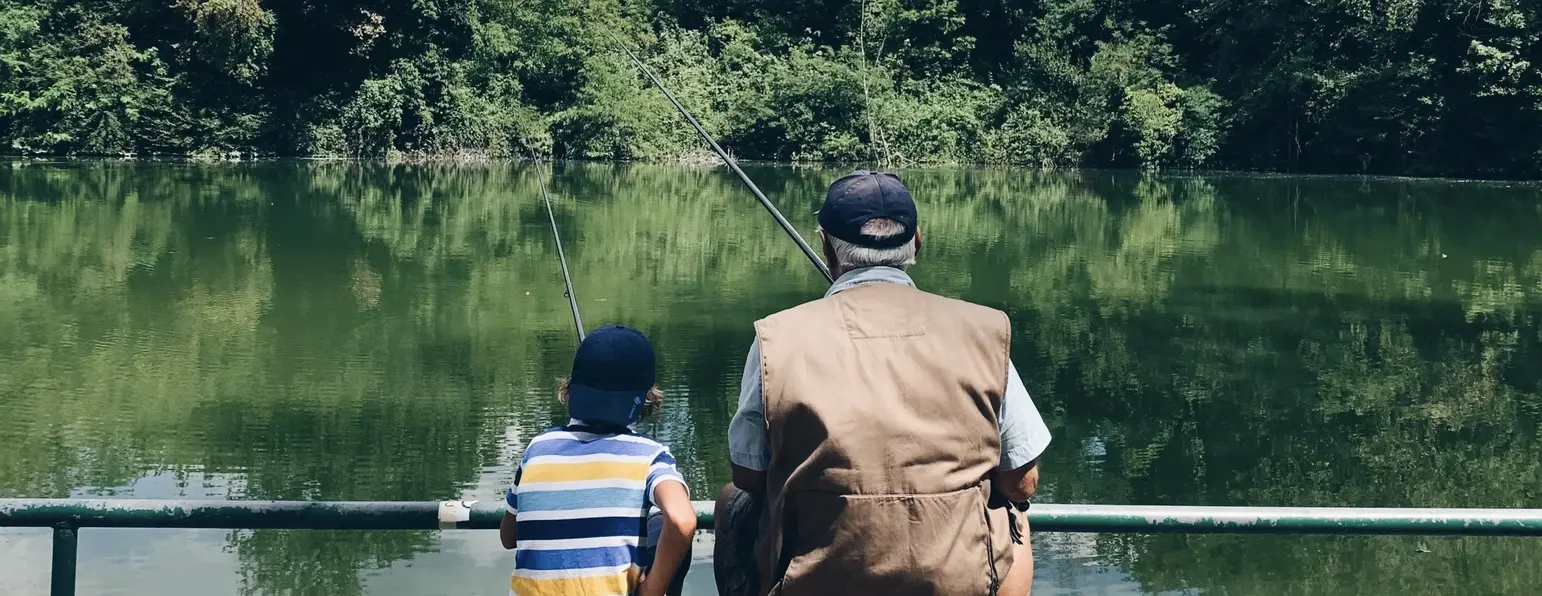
[506, 532]
[679, 530]
[506, 528]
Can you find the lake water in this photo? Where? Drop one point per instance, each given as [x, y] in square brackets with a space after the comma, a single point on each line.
[371, 332]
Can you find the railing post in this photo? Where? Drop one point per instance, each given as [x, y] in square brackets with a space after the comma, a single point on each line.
[62, 580]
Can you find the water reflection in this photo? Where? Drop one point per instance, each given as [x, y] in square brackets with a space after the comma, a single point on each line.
[346, 331]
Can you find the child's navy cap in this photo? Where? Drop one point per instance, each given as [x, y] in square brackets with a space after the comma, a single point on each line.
[862, 196]
[612, 374]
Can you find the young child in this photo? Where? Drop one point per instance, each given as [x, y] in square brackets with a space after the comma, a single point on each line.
[578, 514]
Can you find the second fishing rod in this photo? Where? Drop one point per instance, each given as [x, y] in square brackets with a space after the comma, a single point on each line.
[729, 160]
[733, 165]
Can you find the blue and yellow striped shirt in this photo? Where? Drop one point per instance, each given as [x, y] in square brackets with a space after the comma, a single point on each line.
[580, 503]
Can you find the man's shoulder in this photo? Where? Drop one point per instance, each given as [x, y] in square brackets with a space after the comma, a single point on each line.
[822, 306]
[812, 305]
[964, 307]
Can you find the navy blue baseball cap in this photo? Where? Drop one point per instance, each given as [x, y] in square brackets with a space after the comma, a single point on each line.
[612, 374]
[862, 196]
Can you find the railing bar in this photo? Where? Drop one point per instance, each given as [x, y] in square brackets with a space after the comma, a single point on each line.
[66, 551]
[399, 515]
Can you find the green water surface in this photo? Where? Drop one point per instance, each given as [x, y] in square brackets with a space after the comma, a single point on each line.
[342, 331]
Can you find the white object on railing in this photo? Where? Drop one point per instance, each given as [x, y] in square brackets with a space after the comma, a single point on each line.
[454, 512]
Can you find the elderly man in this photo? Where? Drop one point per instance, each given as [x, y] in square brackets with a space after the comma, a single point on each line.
[883, 437]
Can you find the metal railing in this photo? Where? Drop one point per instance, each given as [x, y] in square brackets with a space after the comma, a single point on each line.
[67, 516]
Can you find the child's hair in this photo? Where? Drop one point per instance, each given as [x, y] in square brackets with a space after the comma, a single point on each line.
[651, 404]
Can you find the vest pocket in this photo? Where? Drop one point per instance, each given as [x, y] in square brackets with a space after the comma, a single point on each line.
[901, 545]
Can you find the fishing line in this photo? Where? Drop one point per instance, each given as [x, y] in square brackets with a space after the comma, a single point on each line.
[733, 165]
[578, 324]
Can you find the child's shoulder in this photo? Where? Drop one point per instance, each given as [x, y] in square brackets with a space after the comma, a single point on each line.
[646, 440]
[571, 441]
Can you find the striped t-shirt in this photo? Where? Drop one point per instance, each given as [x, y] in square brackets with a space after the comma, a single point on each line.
[580, 502]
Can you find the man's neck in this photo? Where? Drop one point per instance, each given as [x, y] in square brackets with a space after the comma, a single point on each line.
[869, 275]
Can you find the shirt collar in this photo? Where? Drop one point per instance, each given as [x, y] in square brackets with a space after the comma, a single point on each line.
[869, 275]
[577, 422]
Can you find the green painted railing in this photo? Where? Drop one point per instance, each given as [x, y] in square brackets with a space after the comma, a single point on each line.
[68, 516]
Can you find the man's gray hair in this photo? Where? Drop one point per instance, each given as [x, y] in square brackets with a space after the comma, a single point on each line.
[852, 256]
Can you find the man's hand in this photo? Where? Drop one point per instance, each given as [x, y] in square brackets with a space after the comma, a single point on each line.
[1020, 484]
[750, 481]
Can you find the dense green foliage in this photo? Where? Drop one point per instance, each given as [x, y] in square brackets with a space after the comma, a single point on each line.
[1441, 87]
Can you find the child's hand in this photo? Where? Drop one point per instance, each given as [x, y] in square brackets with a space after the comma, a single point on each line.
[654, 588]
[675, 542]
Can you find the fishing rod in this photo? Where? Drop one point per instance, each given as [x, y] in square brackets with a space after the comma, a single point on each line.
[733, 165]
[567, 280]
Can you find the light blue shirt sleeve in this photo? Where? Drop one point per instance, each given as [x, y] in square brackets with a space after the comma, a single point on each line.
[662, 470]
[1023, 433]
[511, 498]
[1024, 436]
[747, 446]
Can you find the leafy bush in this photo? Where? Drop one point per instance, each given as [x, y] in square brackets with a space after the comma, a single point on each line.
[234, 36]
[1028, 137]
[1203, 127]
[372, 121]
[616, 118]
[816, 108]
[934, 123]
[83, 90]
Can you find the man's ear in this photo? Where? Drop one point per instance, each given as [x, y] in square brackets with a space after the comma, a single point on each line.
[918, 241]
[824, 246]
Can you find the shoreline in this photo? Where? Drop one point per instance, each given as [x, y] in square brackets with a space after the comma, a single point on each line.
[23, 161]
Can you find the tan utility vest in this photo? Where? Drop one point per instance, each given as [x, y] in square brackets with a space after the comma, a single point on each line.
[880, 406]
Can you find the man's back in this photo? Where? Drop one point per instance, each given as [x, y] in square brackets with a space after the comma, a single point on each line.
[871, 425]
[881, 412]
